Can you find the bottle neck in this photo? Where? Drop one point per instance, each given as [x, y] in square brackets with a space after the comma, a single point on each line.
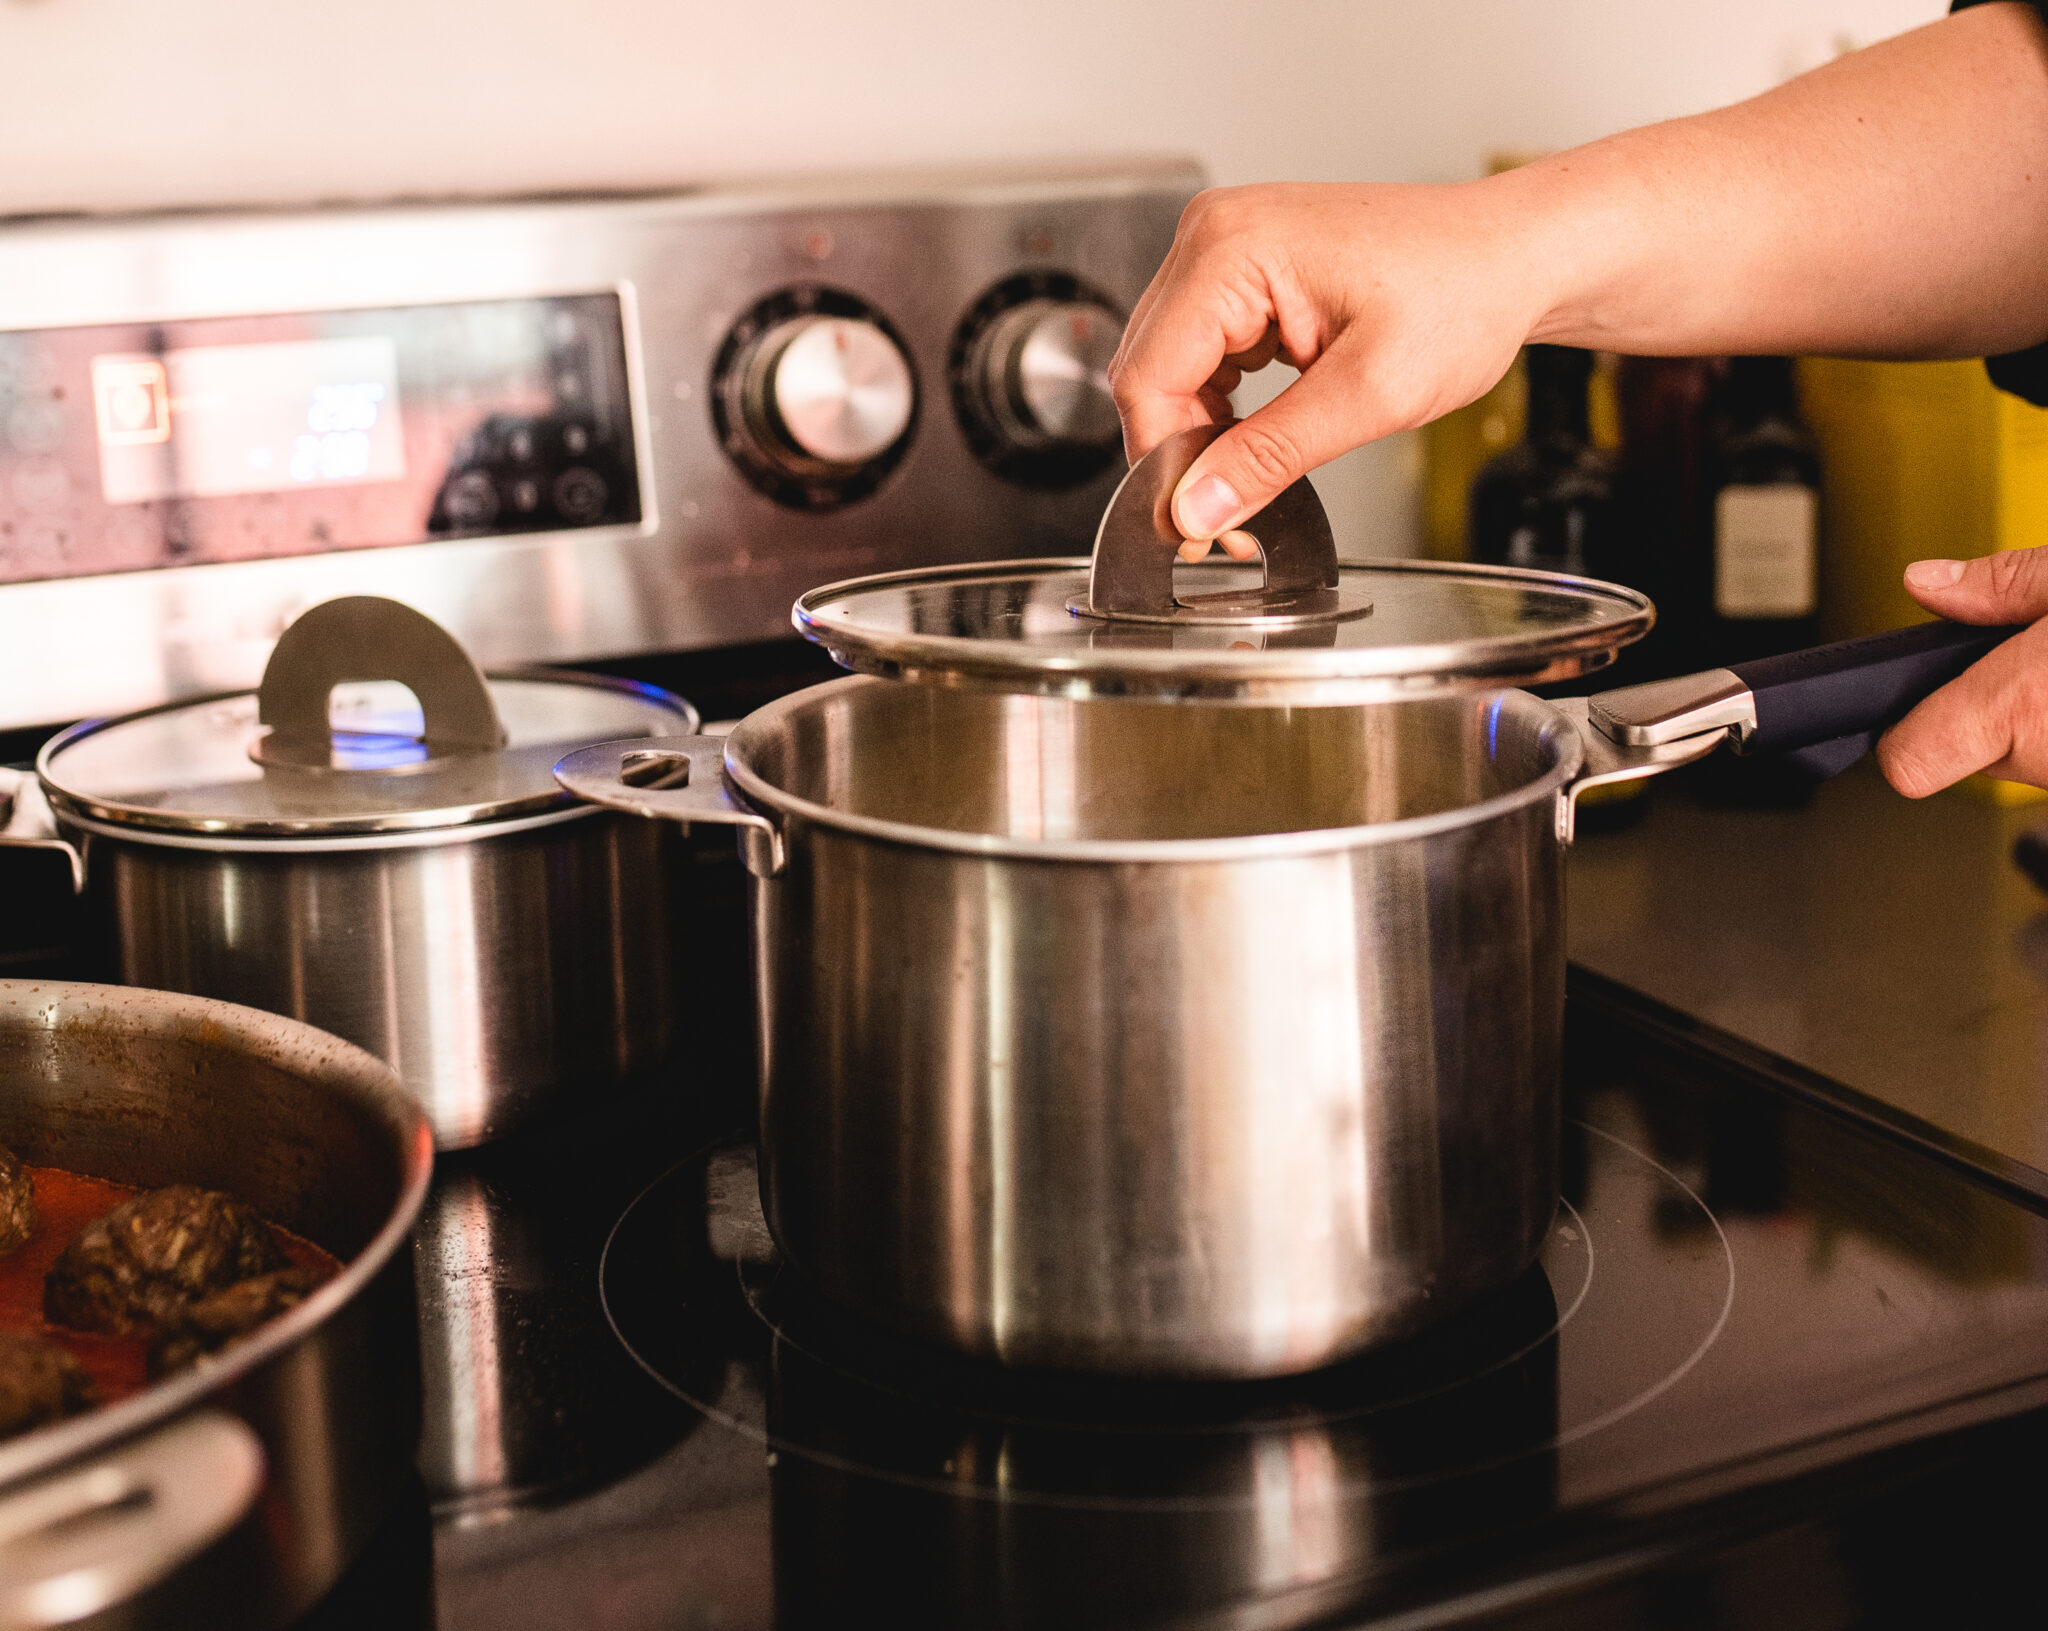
[1760, 388]
[1558, 376]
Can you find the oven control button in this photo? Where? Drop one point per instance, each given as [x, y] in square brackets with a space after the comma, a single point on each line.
[580, 494]
[1030, 378]
[814, 397]
[470, 501]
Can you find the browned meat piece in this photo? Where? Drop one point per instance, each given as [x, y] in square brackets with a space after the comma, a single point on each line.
[17, 1202]
[39, 1382]
[210, 1324]
[136, 1269]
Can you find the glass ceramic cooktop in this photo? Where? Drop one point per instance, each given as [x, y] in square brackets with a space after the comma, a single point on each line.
[1775, 1366]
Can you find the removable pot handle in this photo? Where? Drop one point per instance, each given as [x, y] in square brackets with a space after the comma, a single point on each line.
[1856, 688]
[99, 1533]
[367, 637]
[1821, 709]
[1131, 572]
[674, 778]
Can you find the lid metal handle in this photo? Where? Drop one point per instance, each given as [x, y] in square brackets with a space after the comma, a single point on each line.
[1131, 575]
[367, 637]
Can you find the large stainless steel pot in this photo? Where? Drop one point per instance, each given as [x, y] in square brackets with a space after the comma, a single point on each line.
[426, 892]
[1194, 1040]
[233, 1495]
[1107, 1035]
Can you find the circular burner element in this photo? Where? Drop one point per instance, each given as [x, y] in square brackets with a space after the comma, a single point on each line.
[697, 1293]
[912, 1486]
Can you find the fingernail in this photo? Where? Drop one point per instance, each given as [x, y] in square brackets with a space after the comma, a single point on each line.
[1207, 507]
[1933, 574]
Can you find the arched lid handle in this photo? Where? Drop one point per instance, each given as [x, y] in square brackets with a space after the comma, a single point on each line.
[1131, 575]
[367, 637]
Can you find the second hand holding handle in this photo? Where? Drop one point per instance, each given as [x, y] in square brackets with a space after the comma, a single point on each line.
[1858, 687]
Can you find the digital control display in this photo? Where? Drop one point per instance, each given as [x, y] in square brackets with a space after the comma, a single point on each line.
[217, 419]
[129, 447]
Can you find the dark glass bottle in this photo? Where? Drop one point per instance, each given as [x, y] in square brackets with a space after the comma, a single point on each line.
[1755, 587]
[1665, 404]
[1761, 588]
[1548, 501]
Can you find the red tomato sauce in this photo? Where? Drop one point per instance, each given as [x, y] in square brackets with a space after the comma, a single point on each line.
[65, 1203]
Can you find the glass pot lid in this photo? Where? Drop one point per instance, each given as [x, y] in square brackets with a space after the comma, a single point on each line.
[371, 718]
[1297, 627]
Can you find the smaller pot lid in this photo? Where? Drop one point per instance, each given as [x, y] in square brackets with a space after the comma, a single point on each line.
[370, 719]
[1129, 621]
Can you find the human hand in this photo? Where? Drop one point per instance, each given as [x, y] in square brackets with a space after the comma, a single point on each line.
[1994, 716]
[1396, 303]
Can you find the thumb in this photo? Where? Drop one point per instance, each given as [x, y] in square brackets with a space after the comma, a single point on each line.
[2008, 587]
[1258, 458]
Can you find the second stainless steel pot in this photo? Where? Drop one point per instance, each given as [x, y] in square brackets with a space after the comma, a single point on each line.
[418, 885]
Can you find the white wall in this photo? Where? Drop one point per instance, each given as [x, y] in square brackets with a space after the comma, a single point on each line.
[117, 104]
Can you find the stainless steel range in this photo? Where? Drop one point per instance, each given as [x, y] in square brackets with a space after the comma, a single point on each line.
[565, 429]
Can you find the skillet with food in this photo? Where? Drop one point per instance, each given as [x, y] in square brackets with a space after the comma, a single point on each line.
[209, 1371]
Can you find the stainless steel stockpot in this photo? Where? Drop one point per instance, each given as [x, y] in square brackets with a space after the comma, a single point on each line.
[1118, 1037]
[234, 1495]
[401, 871]
[1172, 983]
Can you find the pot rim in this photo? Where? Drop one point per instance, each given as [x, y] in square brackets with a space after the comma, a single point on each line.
[230, 843]
[1152, 851]
[295, 1047]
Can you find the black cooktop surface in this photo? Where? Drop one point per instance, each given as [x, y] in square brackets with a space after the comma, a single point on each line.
[1778, 1364]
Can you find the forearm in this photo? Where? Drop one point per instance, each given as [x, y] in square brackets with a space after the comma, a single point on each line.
[1893, 203]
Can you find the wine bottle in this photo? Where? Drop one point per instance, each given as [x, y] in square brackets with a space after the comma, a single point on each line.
[1548, 501]
[1662, 477]
[1764, 517]
[1758, 583]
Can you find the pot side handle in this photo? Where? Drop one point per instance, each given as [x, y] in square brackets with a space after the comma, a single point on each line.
[1822, 708]
[26, 823]
[674, 778]
[94, 1535]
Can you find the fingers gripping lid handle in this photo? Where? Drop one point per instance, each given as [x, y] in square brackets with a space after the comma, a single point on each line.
[1131, 575]
[366, 637]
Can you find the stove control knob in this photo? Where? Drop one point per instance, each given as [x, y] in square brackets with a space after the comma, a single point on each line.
[1030, 376]
[826, 395]
[1043, 370]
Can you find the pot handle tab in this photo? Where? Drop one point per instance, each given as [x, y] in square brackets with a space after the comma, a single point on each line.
[368, 637]
[1130, 577]
[92, 1536]
[676, 778]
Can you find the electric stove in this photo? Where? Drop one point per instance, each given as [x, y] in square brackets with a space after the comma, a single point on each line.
[1783, 1361]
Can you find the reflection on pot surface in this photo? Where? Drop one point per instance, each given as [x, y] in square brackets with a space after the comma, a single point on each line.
[527, 1394]
[1038, 1501]
[912, 1486]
